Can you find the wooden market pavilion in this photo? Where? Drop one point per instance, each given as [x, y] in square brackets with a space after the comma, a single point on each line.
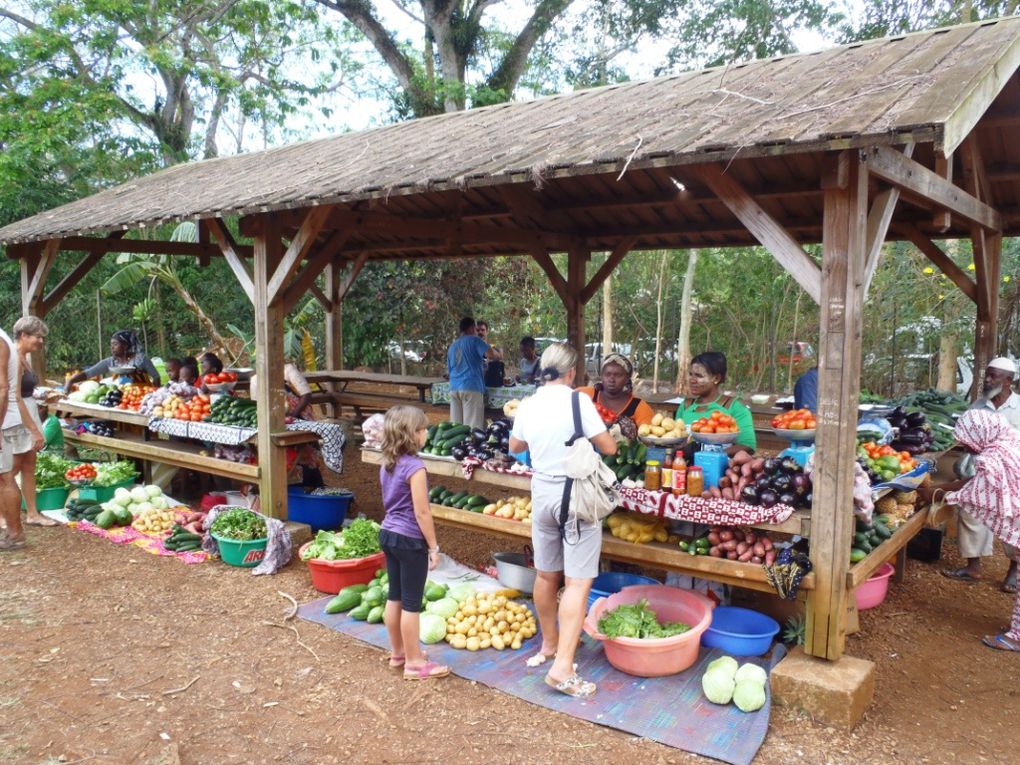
[905, 138]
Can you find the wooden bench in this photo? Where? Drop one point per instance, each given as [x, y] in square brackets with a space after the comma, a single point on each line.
[363, 403]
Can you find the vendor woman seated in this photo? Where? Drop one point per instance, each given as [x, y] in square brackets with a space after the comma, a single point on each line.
[707, 373]
[613, 394]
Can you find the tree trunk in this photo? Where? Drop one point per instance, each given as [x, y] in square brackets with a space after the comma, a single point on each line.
[947, 363]
[160, 326]
[683, 342]
[219, 342]
[658, 321]
[796, 321]
[607, 315]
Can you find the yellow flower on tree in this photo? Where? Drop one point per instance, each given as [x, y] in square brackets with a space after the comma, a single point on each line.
[929, 271]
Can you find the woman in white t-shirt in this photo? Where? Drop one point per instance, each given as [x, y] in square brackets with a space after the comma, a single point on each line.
[571, 550]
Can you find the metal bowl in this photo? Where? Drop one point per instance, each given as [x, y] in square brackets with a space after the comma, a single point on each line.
[243, 373]
[128, 370]
[795, 435]
[513, 571]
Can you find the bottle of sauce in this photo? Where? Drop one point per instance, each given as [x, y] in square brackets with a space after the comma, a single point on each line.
[679, 474]
[695, 481]
[666, 479]
[653, 476]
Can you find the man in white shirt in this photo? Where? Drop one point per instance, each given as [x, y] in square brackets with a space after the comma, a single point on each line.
[975, 539]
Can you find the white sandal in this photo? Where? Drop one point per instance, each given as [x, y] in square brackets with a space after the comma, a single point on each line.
[538, 659]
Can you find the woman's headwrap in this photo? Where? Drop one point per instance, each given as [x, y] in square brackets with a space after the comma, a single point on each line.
[993, 494]
[129, 339]
[620, 360]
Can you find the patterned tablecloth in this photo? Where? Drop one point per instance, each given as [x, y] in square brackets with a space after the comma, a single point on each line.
[494, 397]
[723, 512]
[331, 434]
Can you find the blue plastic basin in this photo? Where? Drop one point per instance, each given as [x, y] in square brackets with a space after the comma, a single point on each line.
[611, 582]
[318, 512]
[740, 631]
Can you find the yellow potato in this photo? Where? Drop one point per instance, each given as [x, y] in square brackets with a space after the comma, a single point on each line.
[484, 643]
[657, 419]
[516, 644]
[473, 644]
[497, 643]
[459, 641]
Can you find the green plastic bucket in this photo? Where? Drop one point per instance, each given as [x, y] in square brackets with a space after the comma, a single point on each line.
[102, 493]
[246, 553]
[50, 499]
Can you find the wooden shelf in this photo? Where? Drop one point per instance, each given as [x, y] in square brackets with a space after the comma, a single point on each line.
[651, 555]
[861, 570]
[452, 469]
[177, 453]
[76, 409]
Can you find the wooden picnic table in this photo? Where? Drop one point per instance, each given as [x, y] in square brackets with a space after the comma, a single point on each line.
[344, 377]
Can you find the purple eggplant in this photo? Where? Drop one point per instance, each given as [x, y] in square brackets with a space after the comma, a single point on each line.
[788, 498]
[749, 495]
[768, 498]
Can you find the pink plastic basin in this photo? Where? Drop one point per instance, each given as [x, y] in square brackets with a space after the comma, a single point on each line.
[658, 656]
[874, 590]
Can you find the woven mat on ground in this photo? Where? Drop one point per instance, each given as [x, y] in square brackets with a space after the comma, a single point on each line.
[123, 535]
[669, 710]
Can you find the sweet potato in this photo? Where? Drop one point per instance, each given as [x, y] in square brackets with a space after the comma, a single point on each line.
[726, 535]
[745, 556]
[713, 537]
[724, 482]
[727, 493]
[759, 549]
[746, 471]
[715, 552]
[714, 492]
[766, 543]
[770, 557]
[730, 545]
[741, 457]
[741, 548]
[756, 559]
[757, 465]
[750, 537]
[731, 555]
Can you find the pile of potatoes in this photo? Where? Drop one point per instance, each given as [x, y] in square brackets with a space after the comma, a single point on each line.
[490, 621]
[663, 426]
[639, 529]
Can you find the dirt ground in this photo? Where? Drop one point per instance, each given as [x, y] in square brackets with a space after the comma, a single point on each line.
[110, 654]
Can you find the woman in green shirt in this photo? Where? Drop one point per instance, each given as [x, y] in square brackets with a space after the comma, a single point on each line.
[707, 374]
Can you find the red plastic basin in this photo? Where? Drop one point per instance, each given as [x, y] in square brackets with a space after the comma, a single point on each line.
[331, 576]
[658, 656]
[874, 590]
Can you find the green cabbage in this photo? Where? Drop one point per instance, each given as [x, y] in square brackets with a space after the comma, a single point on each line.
[461, 591]
[728, 662]
[749, 696]
[431, 628]
[637, 620]
[751, 673]
[444, 607]
[718, 685]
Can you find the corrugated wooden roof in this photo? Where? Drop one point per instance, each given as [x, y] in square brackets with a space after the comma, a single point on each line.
[926, 87]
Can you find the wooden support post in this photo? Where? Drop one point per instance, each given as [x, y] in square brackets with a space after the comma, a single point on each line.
[839, 362]
[577, 260]
[269, 370]
[334, 325]
[942, 220]
[34, 271]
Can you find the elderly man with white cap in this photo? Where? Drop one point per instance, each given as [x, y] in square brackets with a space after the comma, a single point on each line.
[976, 539]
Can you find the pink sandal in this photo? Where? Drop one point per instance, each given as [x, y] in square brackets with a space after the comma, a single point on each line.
[426, 671]
[395, 662]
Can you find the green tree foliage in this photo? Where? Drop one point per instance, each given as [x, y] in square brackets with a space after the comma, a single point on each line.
[882, 18]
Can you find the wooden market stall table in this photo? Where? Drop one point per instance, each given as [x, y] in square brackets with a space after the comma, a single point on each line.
[136, 441]
[651, 555]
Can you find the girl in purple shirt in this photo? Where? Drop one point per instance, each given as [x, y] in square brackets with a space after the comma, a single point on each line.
[407, 537]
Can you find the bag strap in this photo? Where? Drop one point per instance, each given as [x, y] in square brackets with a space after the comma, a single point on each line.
[726, 402]
[568, 482]
[631, 407]
[575, 405]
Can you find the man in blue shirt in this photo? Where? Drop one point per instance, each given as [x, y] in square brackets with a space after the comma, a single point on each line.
[467, 381]
[805, 392]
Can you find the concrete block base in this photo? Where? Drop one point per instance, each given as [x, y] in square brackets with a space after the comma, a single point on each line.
[836, 693]
[299, 533]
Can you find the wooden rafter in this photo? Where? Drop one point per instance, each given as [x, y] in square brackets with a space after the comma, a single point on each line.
[618, 254]
[944, 263]
[776, 239]
[942, 219]
[556, 279]
[527, 208]
[65, 285]
[145, 246]
[313, 267]
[325, 302]
[229, 248]
[298, 250]
[928, 189]
[879, 217]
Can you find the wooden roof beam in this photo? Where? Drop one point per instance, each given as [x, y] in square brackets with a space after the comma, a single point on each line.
[229, 248]
[313, 267]
[76, 274]
[298, 250]
[879, 218]
[944, 263]
[776, 239]
[917, 181]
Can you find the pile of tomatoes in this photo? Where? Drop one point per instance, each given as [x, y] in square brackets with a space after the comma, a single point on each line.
[80, 473]
[133, 395]
[717, 422]
[194, 410]
[798, 419]
[214, 378]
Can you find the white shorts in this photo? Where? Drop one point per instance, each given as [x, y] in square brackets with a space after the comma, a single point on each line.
[16, 440]
[577, 556]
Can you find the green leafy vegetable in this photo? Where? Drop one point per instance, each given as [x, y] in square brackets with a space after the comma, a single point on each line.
[49, 471]
[358, 540]
[637, 620]
[239, 523]
[112, 473]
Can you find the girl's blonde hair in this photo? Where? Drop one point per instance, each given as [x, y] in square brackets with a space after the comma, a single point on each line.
[400, 433]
